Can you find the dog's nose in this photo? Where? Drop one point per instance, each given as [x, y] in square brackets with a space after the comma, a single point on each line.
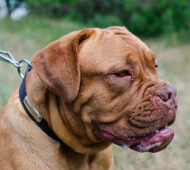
[168, 94]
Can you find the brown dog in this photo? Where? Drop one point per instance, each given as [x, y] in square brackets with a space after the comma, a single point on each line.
[94, 87]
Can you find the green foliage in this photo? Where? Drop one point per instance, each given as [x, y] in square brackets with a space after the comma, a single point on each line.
[55, 3]
[145, 18]
[104, 21]
[154, 17]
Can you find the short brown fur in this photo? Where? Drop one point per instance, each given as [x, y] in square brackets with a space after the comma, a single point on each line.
[72, 87]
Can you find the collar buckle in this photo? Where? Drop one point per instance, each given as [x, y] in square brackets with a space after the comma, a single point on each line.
[36, 115]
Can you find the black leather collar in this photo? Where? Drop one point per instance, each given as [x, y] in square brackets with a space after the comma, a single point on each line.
[43, 123]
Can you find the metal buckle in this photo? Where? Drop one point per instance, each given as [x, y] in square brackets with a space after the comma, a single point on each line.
[32, 110]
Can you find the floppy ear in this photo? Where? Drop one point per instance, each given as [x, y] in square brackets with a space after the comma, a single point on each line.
[57, 64]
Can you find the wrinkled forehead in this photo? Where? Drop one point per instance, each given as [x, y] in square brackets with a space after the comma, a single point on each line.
[116, 45]
[128, 39]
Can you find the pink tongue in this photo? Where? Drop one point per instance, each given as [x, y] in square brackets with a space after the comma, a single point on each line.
[155, 142]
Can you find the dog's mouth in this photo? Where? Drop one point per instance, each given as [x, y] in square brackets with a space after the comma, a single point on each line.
[153, 142]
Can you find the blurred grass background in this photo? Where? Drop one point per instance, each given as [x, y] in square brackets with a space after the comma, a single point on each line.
[167, 35]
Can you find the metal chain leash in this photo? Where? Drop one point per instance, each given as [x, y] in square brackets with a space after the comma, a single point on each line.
[7, 57]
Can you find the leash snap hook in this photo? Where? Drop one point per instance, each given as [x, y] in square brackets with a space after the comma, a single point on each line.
[7, 57]
[20, 65]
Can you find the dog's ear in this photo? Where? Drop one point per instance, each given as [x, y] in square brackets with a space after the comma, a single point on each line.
[57, 65]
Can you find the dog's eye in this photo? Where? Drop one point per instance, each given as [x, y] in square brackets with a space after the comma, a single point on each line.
[123, 73]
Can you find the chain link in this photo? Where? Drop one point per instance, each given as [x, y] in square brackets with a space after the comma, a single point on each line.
[20, 63]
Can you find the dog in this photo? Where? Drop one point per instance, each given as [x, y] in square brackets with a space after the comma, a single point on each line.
[92, 87]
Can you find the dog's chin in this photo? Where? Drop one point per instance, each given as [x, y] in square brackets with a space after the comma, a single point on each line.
[153, 142]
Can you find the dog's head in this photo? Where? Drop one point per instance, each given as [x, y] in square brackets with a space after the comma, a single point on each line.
[109, 78]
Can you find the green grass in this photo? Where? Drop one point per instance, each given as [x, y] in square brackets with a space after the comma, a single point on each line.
[23, 38]
[36, 31]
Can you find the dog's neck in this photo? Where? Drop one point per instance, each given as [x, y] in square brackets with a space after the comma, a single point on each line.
[66, 124]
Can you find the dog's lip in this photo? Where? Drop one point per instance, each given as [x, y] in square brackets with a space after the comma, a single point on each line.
[153, 142]
[156, 141]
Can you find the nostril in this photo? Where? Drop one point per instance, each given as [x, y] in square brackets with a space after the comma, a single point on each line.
[165, 96]
[168, 93]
